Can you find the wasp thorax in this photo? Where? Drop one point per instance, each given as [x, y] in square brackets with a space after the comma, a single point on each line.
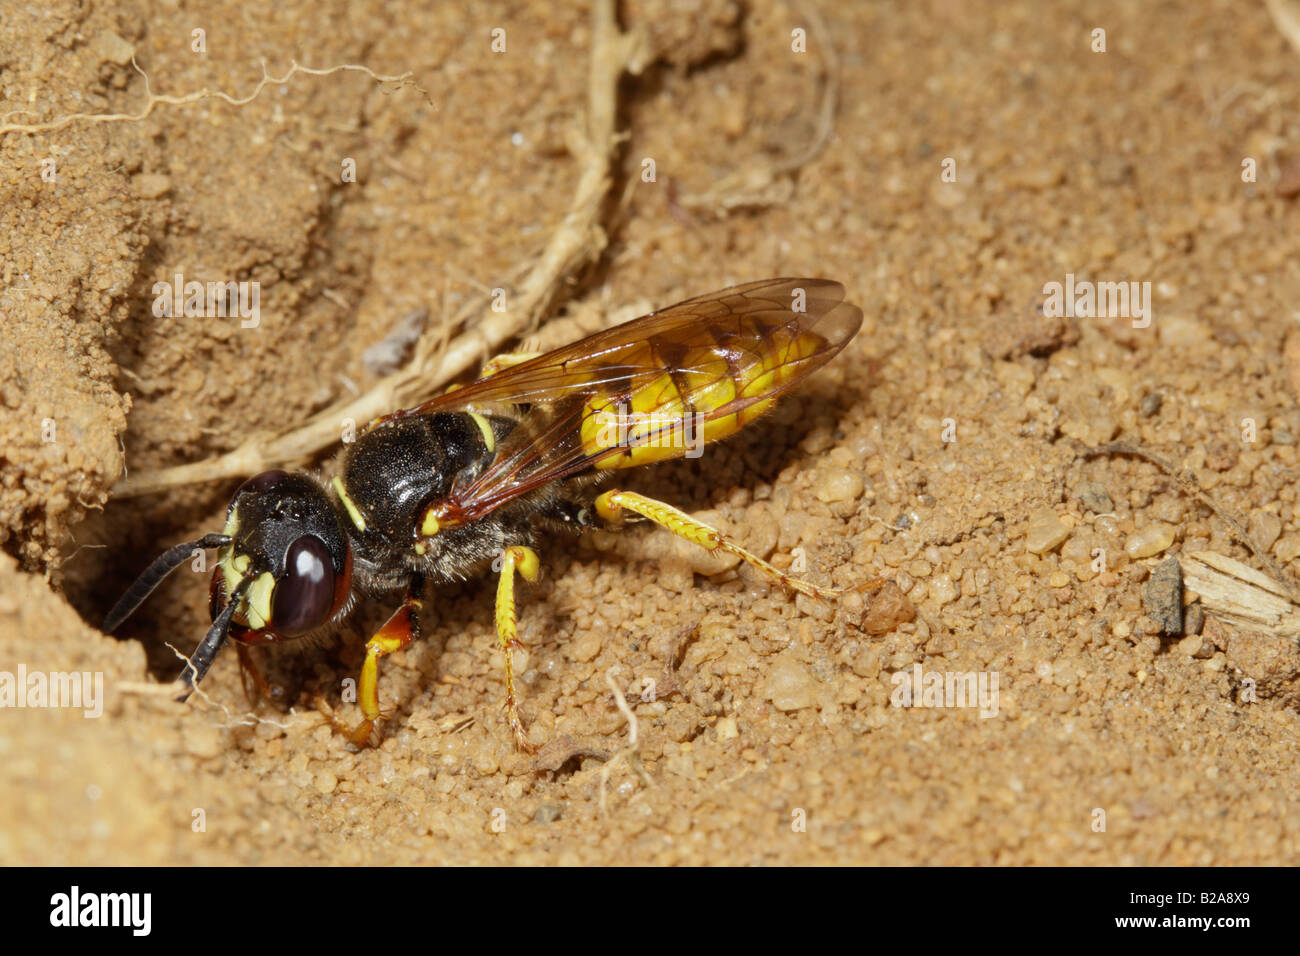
[288, 543]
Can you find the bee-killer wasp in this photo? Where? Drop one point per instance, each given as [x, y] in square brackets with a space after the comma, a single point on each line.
[479, 475]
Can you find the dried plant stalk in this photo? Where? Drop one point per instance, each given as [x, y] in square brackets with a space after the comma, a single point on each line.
[1286, 14]
[1239, 594]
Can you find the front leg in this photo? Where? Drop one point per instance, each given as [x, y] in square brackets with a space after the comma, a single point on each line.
[250, 677]
[398, 632]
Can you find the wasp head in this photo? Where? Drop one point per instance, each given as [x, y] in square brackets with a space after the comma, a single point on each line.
[285, 568]
[288, 566]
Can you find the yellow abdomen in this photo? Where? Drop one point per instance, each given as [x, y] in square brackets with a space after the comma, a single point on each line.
[706, 393]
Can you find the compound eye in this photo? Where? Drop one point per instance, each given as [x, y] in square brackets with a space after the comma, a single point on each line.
[262, 482]
[304, 597]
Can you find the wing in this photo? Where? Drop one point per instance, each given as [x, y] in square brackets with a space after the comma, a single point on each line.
[655, 388]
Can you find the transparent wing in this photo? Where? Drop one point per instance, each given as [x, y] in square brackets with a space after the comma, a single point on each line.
[653, 388]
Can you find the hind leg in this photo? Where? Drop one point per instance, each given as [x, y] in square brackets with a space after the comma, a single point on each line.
[611, 504]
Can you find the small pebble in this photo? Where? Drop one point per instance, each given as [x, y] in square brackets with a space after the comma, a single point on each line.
[817, 441]
[1288, 183]
[1162, 598]
[1181, 331]
[113, 49]
[835, 484]
[151, 185]
[1193, 619]
[886, 608]
[789, 686]
[1149, 540]
[1114, 171]
[586, 647]
[1039, 176]
[944, 590]
[1093, 496]
[201, 740]
[325, 781]
[1288, 549]
[1151, 403]
[1265, 528]
[1046, 532]
[548, 812]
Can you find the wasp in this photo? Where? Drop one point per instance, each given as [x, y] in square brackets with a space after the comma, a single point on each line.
[480, 476]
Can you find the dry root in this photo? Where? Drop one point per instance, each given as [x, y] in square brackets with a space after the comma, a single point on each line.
[155, 99]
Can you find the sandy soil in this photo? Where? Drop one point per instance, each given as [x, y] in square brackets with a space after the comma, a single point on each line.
[1117, 166]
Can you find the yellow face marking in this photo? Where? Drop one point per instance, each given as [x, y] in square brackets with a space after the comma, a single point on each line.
[429, 526]
[420, 548]
[255, 605]
[228, 573]
[353, 513]
[258, 601]
[489, 439]
[233, 568]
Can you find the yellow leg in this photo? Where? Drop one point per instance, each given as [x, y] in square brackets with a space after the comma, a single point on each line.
[525, 561]
[609, 504]
[398, 632]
